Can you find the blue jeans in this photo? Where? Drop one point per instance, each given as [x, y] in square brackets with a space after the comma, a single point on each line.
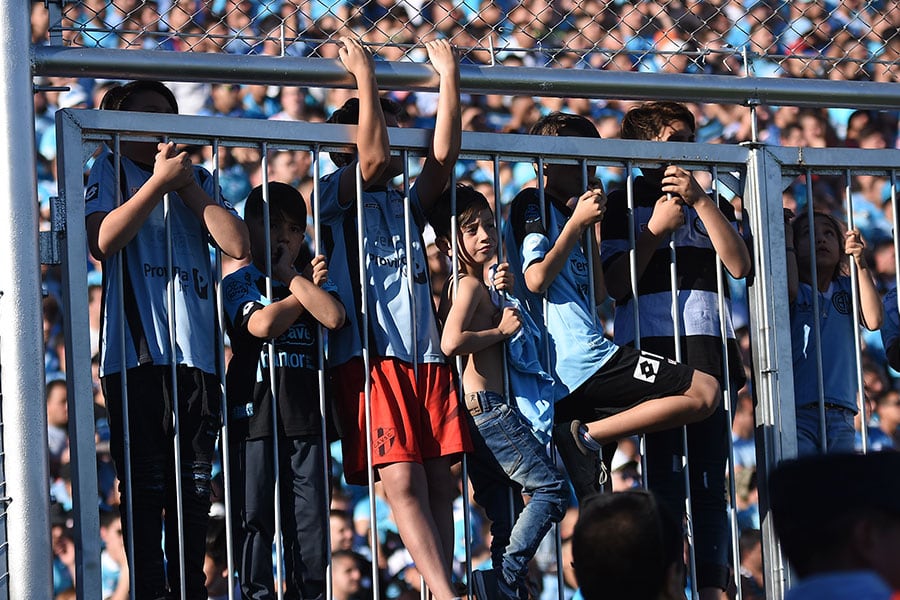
[508, 461]
[840, 432]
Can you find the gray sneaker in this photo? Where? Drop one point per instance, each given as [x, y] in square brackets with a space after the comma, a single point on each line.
[587, 472]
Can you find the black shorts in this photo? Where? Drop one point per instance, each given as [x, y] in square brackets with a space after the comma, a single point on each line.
[629, 378]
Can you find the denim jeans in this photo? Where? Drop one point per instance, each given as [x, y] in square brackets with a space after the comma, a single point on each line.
[153, 481]
[840, 432]
[508, 461]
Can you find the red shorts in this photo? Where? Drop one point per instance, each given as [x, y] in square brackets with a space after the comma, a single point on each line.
[411, 421]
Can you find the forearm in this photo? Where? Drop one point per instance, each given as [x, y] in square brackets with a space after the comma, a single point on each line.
[321, 305]
[110, 233]
[373, 146]
[470, 342]
[540, 275]
[448, 124]
[273, 320]
[726, 241]
[229, 232]
[871, 308]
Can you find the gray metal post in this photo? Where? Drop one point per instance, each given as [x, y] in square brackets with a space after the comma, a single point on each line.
[21, 348]
[771, 346]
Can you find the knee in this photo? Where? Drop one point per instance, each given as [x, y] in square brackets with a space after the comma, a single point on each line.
[706, 394]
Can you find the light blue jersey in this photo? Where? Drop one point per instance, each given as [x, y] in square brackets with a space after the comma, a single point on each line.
[578, 348]
[389, 306]
[146, 276]
[837, 331]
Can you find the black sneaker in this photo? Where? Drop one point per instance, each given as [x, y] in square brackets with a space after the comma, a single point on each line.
[586, 470]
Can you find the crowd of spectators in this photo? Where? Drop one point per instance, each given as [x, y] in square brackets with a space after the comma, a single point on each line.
[855, 41]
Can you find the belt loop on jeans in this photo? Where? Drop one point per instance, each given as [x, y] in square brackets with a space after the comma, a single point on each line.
[473, 403]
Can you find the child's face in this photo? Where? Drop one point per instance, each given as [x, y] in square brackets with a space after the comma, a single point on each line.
[478, 239]
[828, 244]
[284, 236]
[148, 101]
[676, 131]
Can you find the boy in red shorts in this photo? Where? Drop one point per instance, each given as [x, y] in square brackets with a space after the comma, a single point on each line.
[417, 429]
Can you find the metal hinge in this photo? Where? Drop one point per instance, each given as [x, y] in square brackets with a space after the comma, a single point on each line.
[50, 241]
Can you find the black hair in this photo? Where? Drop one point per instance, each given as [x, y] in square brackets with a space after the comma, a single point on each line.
[646, 121]
[348, 114]
[284, 201]
[117, 98]
[624, 545]
[469, 203]
[560, 123]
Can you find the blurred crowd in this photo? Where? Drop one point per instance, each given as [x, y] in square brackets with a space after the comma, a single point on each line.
[851, 40]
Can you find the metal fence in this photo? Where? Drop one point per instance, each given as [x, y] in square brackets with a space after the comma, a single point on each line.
[759, 174]
[852, 41]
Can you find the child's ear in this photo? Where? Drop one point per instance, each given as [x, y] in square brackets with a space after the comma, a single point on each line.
[443, 245]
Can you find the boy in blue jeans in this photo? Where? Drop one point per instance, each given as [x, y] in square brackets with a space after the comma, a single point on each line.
[508, 458]
[301, 299]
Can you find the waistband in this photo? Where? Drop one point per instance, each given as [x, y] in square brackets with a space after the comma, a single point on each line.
[481, 401]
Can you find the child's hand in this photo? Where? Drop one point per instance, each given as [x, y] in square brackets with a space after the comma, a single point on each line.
[443, 57]
[680, 183]
[668, 215]
[590, 208]
[854, 246]
[503, 278]
[510, 322]
[356, 59]
[283, 265]
[319, 270]
[174, 171]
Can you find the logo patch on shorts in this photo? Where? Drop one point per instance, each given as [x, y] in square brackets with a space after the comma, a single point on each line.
[646, 369]
[384, 440]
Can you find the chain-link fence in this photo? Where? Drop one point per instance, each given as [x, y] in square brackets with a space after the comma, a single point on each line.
[847, 40]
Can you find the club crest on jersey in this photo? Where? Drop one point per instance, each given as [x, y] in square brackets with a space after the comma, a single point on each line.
[842, 303]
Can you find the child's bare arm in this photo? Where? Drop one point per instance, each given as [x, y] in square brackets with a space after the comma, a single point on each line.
[447, 130]
[725, 239]
[589, 210]
[457, 337]
[871, 308]
[110, 232]
[372, 148]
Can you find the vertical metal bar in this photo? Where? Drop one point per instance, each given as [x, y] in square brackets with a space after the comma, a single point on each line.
[176, 401]
[82, 448]
[771, 346]
[896, 228]
[685, 462]
[589, 250]
[857, 345]
[224, 439]
[123, 361]
[817, 320]
[24, 411]
[273, 380]
[410, 263]
[632, 272]
[367, 388]
[725, 313]
[323, 405]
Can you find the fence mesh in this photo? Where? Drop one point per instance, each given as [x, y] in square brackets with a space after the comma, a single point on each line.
[847, 40]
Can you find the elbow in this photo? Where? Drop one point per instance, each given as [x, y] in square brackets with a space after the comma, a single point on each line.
[449, 347]
[337, 320]
[372, 167]
[535, 285]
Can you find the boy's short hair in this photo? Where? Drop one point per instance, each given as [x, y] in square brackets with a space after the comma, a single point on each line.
[624, 546]
[284, 201]
[469, 203]
[348, 114]
[560, 123]
[646, 121]
[117, 97]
